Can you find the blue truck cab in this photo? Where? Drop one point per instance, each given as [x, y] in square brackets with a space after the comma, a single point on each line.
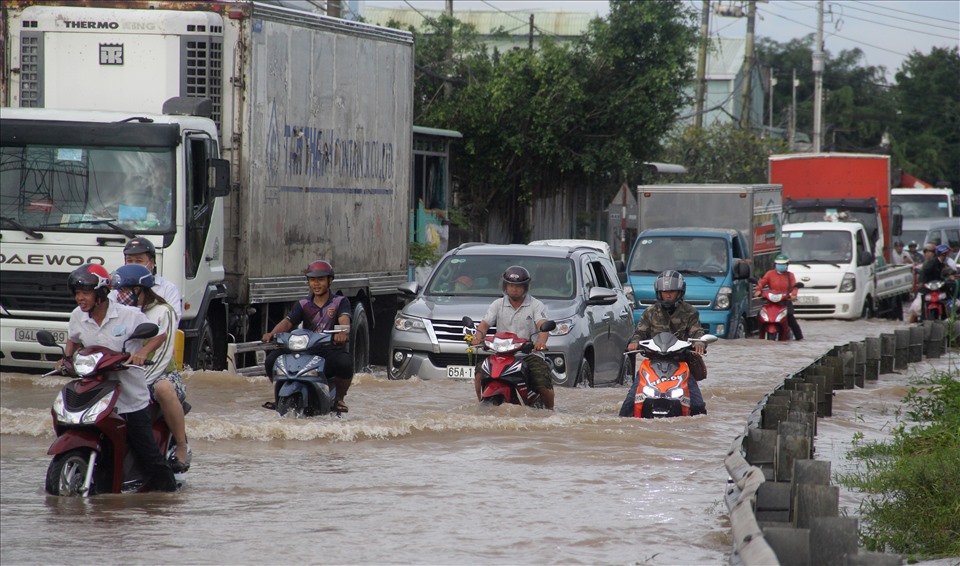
[718, 237]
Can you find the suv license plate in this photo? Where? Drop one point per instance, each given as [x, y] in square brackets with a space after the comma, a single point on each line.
[460, 372]
[30, 335]
[807, 299]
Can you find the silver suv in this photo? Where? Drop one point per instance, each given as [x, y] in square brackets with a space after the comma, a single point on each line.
[577, 284]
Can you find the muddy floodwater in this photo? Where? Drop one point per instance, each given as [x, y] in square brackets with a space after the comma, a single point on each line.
[418, 473]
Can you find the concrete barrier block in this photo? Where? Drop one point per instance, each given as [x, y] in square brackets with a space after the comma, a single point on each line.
[836, 540]
[916, 344]
[792, 546]
[789, 448]
[814, 502]
[873, 559]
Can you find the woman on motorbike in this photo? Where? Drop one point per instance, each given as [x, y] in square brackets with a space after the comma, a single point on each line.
[320, 311]
[135, 284]
[780, 280]
[671, 314]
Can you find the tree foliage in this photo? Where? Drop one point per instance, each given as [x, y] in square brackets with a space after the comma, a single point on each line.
[722, 153]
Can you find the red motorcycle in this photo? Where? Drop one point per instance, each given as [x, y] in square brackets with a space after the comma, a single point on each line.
[90, 454]
[937, 300]
[503, 378]
[773, 316]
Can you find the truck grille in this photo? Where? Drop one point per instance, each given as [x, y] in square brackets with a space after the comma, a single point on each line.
[22, 291]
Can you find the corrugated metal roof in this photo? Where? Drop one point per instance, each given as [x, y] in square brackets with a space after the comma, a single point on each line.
[514, 22]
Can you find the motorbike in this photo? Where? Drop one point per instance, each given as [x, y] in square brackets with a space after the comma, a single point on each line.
[773, 316]
[300, 386]
[90, 454]
[663, 388]
[937, 300]
[503, 378]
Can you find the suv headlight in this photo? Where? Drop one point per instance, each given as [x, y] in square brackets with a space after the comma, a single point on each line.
[723, 299]
[409, 323]
[849, 283]
[564, 327]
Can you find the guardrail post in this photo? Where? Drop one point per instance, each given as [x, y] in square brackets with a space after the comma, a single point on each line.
[792, 546]
[836, 540]
[902, 354]
[934, 339]
[761, 449]
[860, 362]
[849, 368]
[888, 348]
[916, 344]
[872, 365]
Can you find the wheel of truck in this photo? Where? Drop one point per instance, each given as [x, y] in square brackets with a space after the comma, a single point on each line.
[585, 375]
[739, 330]
[204, 352]
[360, 339]
[868, 310]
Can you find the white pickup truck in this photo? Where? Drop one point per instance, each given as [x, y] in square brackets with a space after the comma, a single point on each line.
[839, 274]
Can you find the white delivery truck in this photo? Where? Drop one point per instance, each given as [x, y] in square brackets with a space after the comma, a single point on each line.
[834, 262]
[244, 139]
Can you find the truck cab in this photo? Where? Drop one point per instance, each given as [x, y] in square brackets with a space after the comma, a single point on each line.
[715, 264]
[923, 203]
[834, 262]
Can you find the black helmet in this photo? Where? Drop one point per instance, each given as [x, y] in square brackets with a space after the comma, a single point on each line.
[319, 268]
[140, 245]
[670, 280]
[90, 277]
[516, 275]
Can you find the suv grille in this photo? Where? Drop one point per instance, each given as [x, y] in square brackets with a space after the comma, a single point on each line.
[24, 291]
[444, 360]
[451, 330]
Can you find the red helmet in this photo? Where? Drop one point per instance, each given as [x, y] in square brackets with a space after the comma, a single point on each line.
[319, 268]
[90, 277]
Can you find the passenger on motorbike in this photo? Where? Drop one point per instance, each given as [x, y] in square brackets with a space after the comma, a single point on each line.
[780, 280]
[141, 251]
[98, 321]
[135, 286]
[671, 314]
[520, 313]
[320, 311]
[930, 270]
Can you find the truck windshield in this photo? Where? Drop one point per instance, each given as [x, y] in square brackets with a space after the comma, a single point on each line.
[922, 206]
[687, 254]
[818, 246]
[79, 188]
[480, 275]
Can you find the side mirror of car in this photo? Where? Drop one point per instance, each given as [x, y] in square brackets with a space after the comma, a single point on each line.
[799, 285]
[601, 296]
[864, 258]
[409, 289]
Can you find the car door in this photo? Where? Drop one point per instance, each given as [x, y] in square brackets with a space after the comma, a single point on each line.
[610, 325]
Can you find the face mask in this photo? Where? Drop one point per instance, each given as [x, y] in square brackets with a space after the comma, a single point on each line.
[781, 268]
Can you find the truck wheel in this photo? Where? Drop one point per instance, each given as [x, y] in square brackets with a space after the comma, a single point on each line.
[585, 375]
[205, 353]
[738, 331]
[360, 339]
[868, 310]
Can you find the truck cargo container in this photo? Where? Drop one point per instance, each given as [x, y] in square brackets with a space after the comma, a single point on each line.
[313, 116]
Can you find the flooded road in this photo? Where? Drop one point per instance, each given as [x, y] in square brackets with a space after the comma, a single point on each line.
[417, 472]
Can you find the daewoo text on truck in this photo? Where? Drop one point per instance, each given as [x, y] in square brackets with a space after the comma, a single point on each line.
[244, 139]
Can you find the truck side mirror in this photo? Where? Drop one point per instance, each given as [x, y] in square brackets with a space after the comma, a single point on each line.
[218, 177]
[621, 271]
[741, 270]
[896, 224]
[864, 258]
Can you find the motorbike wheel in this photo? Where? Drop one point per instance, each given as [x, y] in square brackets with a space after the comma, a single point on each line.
[66, 473]
[289, 404]
[773, 336]
[585, 375]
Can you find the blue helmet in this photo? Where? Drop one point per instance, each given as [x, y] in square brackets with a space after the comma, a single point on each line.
[132, 275]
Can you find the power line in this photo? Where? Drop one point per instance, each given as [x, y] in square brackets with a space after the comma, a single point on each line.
[857, 41]
[853, 6]
[911, 13]
[898, 27]
[514, 16]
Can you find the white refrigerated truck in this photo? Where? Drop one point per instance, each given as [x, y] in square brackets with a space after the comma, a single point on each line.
[244, 139]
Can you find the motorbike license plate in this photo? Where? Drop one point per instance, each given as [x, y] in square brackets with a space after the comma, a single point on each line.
[807, 299]
[460, 372]
[30, 335]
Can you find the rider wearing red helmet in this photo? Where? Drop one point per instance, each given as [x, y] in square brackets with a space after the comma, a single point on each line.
[98, 321]
[322, 310]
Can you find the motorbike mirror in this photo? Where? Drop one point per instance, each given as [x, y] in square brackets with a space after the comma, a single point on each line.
[708, 339]
[467, 321]
[548, 326]
[145, 330]
[527, 347]
[799, 285]
[45, 338]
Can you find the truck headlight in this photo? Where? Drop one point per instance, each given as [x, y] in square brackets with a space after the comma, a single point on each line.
[408, 323]
[723, 299]
[849, 283]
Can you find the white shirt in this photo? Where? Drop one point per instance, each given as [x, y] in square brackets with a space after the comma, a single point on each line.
[164, 317]
[521, 321]
[118, 324]
[169, 292]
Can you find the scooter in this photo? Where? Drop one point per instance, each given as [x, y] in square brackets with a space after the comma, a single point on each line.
[503, 378]
[90, 453]
[773, 317]
[663, 388]
[300, 386]
[937, 300]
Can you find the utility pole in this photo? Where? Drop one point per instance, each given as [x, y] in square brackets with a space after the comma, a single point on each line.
[793, 110]
[773, 83]
[530, 34]
[748, 67]
[448, 56]
[818, 80]
[702, 63]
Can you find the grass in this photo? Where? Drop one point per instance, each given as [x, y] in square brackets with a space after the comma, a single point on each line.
[913, 479]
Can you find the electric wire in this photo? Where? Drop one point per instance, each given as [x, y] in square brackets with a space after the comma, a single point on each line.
[832, 34]
[911, 13]
[853, 6]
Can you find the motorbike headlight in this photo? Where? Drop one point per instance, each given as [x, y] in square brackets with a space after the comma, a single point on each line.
[563, 327]
[409, 323]
[676, 393]
[650, 391]
[723, 299]
[764, 316]
[502, 345]
[85, 364]
[298, 342]
[775, 297]
[90, 415]
[849, 283]
[934, 285]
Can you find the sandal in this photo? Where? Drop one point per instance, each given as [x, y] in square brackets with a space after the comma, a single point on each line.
[178, 467]
[340, 407]
[269, 405]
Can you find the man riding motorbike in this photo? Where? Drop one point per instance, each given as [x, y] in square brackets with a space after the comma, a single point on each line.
[780, 280]
[521, 314]
[671, 314]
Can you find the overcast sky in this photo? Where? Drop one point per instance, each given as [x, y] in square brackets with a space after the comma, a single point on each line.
[886, 30]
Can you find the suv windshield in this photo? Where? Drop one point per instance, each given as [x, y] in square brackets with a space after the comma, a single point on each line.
[79, 188]
[817, 246]
[682, 253]
[480, 275]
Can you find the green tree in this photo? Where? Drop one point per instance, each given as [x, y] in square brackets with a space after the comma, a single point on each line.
[722, 153]
[926, 134]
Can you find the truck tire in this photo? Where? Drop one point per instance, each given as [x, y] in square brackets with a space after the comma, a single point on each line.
[206, 352]
[739, 330]
[868, 310]
[360, 339]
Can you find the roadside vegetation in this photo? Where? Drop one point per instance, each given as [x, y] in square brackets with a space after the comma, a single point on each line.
[913, 479]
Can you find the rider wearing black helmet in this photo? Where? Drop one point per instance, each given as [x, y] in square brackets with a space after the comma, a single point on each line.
[671, 314]
[322, 310]
[98, 321]
[521, 314]
[141, 251]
